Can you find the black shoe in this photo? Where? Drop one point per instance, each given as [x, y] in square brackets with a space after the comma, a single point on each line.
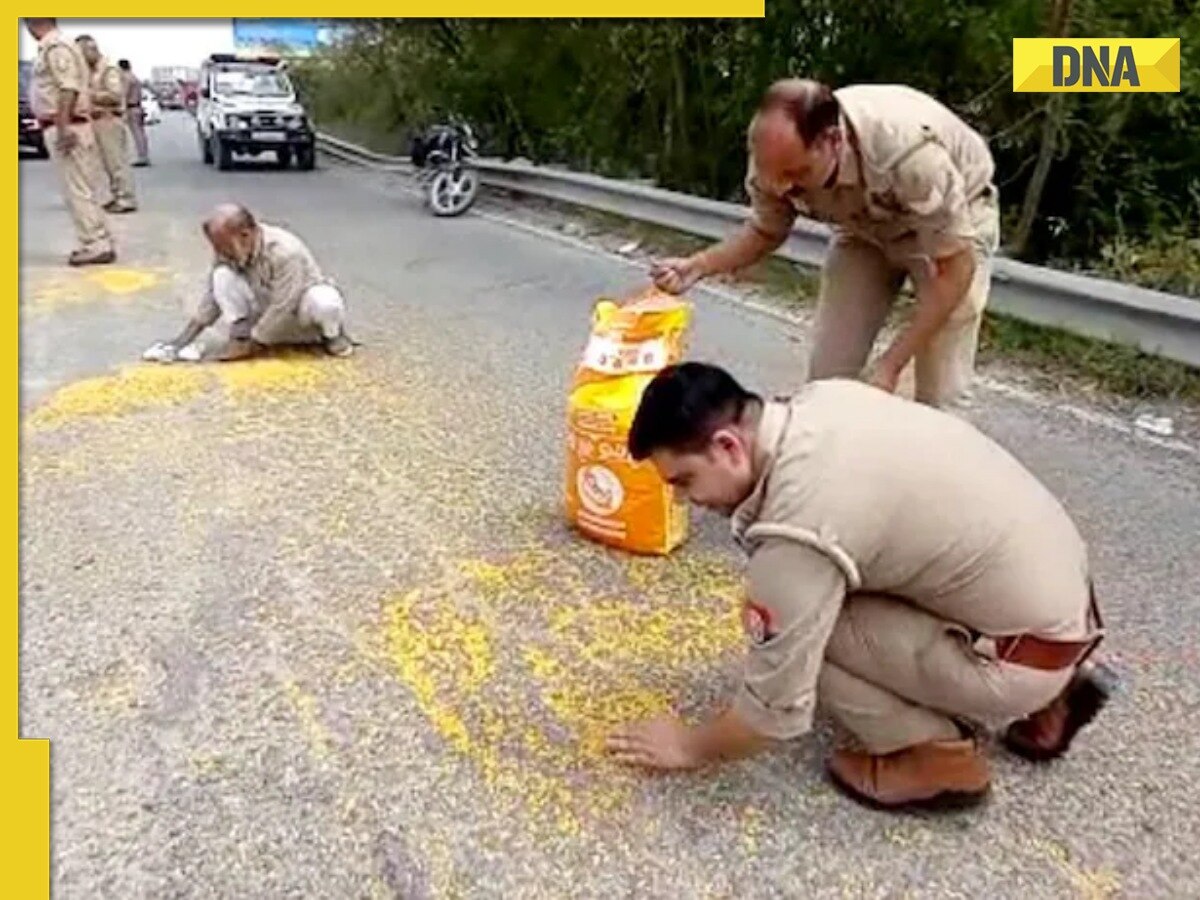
[1048, 733]
[87, 258]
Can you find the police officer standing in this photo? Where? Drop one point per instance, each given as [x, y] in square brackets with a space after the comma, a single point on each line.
[135, 116]
[907, 186]
[61, 104]
[108, 122]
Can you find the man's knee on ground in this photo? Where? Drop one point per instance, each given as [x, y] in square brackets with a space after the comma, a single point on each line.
[228, 283]
[325, 307]
[235, 298]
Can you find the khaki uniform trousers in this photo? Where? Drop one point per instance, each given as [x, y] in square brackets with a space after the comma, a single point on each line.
[113, 140]
[895, 676]
[859, 284]
[79, 170]
[136, 117]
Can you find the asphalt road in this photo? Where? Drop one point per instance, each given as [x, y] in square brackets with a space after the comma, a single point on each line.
[315, 628]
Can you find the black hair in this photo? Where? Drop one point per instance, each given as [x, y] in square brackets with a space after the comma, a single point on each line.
[683, 406]
[123, 64]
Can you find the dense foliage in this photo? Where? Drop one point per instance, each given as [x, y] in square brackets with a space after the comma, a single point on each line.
[1108, 181]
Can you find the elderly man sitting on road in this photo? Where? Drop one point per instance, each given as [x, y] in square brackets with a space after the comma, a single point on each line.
[266, 287]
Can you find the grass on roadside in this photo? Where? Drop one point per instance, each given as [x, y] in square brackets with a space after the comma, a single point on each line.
[1110, 367]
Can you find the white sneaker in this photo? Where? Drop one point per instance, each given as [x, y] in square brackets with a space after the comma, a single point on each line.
[191, 353]
[160, 352]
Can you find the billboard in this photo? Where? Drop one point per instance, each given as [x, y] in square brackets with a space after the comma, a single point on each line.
[298, 36]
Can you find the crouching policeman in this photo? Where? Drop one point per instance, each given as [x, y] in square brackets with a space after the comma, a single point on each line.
[905, 573]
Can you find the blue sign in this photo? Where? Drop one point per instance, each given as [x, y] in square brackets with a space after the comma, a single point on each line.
[293, 34]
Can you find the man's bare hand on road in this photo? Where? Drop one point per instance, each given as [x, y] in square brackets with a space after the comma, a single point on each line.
[660, 743]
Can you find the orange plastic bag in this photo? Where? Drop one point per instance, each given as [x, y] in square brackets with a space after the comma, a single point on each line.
[609, 497]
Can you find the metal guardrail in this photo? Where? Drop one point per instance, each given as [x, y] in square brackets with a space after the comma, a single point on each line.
[1155, 322]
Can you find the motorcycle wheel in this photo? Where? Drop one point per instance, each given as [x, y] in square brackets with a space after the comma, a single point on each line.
[452, 191]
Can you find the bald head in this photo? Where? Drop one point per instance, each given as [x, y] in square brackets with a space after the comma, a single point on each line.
[795, 136]
[809, 105]
[229, 215]
[232, 230]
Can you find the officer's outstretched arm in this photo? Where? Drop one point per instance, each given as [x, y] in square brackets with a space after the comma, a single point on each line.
[796, 593]
[668, 743]
[743, 248]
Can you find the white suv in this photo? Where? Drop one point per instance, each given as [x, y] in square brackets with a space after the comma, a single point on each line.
[247, 105]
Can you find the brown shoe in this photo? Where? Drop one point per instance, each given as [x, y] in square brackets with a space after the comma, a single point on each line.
[934, 775]
[91, 257]
[1048, 733]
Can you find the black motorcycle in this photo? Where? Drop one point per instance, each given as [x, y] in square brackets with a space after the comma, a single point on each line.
[444, 158]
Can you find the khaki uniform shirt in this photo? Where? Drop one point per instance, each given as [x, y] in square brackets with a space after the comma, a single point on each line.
[59, 67]
[280, 271]
[133, 89]
[107, 88]
[908, 172]
[864, 491]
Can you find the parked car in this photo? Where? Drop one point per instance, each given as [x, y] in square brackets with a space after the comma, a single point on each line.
[151, 109]
[29, 132]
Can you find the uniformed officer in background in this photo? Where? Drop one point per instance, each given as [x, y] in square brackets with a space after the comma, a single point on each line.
[905, 573]
[135, 115]
[61, 104]
[907, 186]
[108, 121]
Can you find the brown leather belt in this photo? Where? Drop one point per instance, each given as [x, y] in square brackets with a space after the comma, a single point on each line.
[1048, 655]
[74, 120]
[1038, 653]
